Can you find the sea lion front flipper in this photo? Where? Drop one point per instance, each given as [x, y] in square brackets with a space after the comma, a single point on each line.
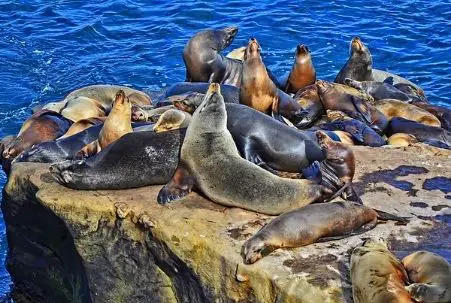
[350, 194]
[389, 80]
[362, 109]
[355, 133]
[255, 158]
[87, 151]
[313, 172]
[181, 184]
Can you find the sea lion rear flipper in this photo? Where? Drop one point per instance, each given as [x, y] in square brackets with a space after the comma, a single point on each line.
[313, 172]
[255, 158]
[180, 185]
[382, 215]
[389, 80]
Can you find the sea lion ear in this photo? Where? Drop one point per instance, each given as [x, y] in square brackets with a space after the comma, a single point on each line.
[181, 184]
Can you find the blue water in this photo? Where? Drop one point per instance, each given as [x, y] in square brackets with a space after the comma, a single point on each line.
[47, 50]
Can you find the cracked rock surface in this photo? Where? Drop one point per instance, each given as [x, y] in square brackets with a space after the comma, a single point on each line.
[121, 246]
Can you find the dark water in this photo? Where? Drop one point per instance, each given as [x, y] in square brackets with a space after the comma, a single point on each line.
[47, 50]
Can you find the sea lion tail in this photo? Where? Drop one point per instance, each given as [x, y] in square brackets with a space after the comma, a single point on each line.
[382, 215]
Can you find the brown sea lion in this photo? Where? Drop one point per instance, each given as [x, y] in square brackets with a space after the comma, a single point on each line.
[401, 139]
[210, 161]
[83, 124]
[172, 119]
[44, 125]
[377, 275]
[392, 108]
[430, 275]
[79, 108]
[302, 72]
[117, 124]
[442, 113]
[257, 89]
[307, 225]
[308, 98]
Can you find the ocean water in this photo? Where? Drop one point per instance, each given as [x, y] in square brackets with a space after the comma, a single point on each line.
[48, 48]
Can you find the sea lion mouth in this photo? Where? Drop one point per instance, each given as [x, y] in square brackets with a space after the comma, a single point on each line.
[302, 49]
[356, 45]
[252, 50]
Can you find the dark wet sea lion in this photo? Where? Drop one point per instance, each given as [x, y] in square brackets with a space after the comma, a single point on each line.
[203, 61]
[411, 90]
[309, 100]
[442, 113]
[210, 162]
[151, 159]
[424, 133]
[379, 90]
[303, 72]
[392, 108]
[117, 124]
[360, 132]
[307, 225]
[42, 126]
[351, 101]
[257, 90]
[430, 275]
[66, 148]
[377, 275]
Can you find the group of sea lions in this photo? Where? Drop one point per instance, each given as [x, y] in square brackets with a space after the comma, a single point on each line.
[235, 133]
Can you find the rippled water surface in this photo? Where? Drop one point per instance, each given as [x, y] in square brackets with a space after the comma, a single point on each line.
[47, 50]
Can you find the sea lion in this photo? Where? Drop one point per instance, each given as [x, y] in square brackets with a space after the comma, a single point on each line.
[411, 90]
[302, 72]
[359, 67]
[203, 61]
[307, 225]
[67, 148]
[231, 93]
[377, 275]
[83, 124]
[237, 53]
[149, 113]
[352, 102]
[431, 277]
[137, 159]
[117, 124]
[336, 172]
[310, 101]
[79, 108]
[392, 108]
[210, 161]
[257, 90]
[379, 90]
[442, 113]
[360, 132]
[431, 135]
[172, 119]
[42, 126]
[401, 139]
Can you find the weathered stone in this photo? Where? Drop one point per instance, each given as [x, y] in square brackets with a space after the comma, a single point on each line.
[121, 246]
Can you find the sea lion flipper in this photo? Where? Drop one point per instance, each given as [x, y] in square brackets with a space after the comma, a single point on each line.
[355, 133]
[382, 215]
[350, 194]
[87, 151]
[181, 184]
[313, 172]
[362, 109]
[389, 80]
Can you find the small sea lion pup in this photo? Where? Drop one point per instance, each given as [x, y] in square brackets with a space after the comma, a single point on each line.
[203, 61]
[257, 89]
[392, 108]
[172, 119]
[377, 275]
[117, 124]
[209, 160]
[336, 172]
[44, 125]
[431, 277]
[302, 73]
[307, 225]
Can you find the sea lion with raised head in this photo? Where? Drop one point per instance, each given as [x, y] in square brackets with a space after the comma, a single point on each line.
[303, 72]
[377, 275]
[117, 124]
[44, 125]
[210, 162]
[430, 275]
[311, 223]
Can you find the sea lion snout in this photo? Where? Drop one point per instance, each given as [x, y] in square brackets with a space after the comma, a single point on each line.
[121, 98]
[252, 49]
[356, 45]
[302, 49]
[252, 250]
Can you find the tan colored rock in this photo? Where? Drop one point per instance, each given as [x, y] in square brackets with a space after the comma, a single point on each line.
[121, 246]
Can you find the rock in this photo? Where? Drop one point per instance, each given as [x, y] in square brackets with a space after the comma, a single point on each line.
[121, 246]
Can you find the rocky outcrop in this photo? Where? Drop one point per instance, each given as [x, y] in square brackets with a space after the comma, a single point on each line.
[121, 246]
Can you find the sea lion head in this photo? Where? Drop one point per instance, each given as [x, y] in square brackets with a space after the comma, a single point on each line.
[215, 39]
[212, 112]
[302, 53]
[323, 86]
[138, 114]
[253, 249]
[360, 51]
[121, 101]
[187, 102]
[253, 50]
[170, 119]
